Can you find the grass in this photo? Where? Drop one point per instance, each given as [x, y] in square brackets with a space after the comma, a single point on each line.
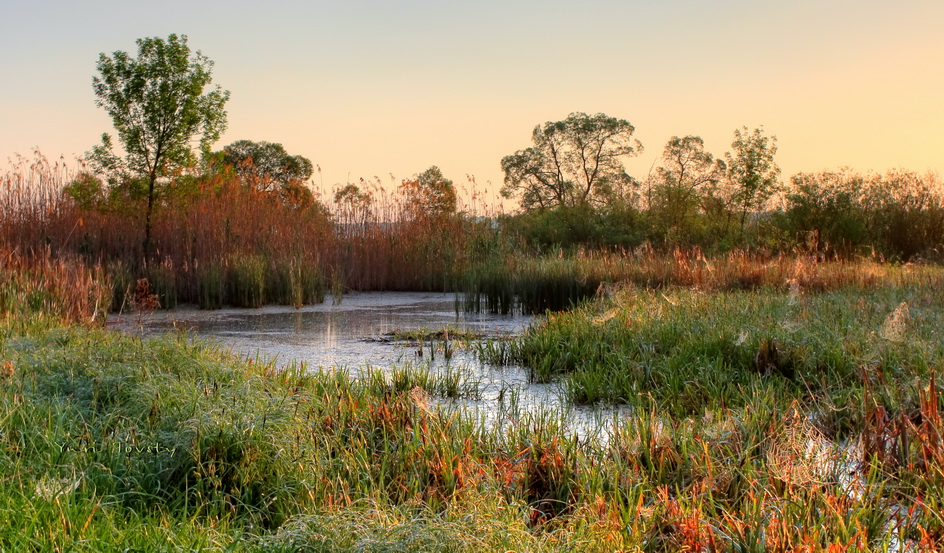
[193, 448]
[112, 442]
[776, 404]
[421, 381]
[62, 289]
[686, 350]
[430, 343]
[534, 285]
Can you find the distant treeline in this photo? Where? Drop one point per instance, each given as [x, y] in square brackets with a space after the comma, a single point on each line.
[896, 216]
[220, 239]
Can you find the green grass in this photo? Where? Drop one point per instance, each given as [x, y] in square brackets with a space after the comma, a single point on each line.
[687, 351]
[420, 380]
[193, 448]
[113, 443]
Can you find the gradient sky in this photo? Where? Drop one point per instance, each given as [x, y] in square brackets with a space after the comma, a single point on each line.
[369, 88]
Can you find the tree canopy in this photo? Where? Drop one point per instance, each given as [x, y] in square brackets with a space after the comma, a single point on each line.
[752, 172]
[429, 195]
[575, 161]
[684, 186]
[689, 170]
[266, 165]
[157, 104]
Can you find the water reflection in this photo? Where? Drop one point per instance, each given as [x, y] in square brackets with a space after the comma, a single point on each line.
[358, 336]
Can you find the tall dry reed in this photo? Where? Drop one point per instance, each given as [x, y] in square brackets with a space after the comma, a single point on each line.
[218, 241]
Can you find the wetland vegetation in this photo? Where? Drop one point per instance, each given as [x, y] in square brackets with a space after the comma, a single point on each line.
[776, 418]
[776, 347]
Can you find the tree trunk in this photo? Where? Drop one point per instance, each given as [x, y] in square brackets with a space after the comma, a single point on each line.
[147, 221]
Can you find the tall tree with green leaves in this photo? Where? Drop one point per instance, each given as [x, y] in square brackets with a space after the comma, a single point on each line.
[684, 185]
[157, 104]
[688, 173]
[574, 162]
[752, 172]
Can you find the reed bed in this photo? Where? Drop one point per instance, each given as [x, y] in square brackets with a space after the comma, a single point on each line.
[219, 242]
[60, 289]
[534, 285]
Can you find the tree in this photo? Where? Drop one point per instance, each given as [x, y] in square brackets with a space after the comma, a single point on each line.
[752, 172]
[429, 195]
[688, 167]
[86, 190]
[573, 162]
[684, 185]
[157, 105]
[689, 173]
[266, 166]
[825, 209]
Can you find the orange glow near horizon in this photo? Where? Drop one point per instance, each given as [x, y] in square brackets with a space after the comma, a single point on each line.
[368, 88]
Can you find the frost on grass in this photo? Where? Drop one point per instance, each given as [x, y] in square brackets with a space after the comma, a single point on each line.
[50, 488]
[895, 327]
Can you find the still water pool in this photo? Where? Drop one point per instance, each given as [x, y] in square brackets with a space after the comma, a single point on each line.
[364, 333]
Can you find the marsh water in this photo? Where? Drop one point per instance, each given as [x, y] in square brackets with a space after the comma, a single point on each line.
[378, 332]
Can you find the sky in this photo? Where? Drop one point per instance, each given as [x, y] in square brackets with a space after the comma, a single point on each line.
[367, 88]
